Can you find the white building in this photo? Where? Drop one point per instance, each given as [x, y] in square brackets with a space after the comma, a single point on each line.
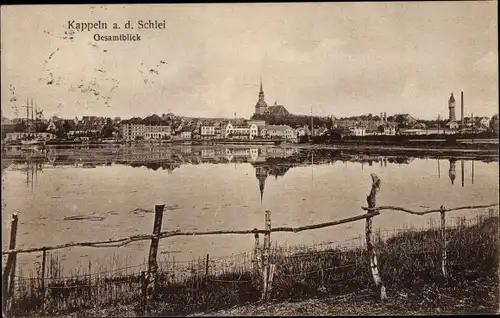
[279, 131]
[160, 131]
[207, 131]
[254, 131]
[389, 129]
[187, 132]
[135, 128]
[241, 131]
[452, 124]
[227, 129]
[358, 131]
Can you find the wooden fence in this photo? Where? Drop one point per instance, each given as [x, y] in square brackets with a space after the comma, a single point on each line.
[261, 255]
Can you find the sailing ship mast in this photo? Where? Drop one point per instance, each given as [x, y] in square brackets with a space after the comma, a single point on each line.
[27, 117]
[32, 118]
[30, 121]
[37, 117]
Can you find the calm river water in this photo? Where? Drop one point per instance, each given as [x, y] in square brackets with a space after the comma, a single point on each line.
[97, 194]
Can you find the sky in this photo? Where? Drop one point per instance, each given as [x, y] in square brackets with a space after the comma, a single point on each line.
[341, 59]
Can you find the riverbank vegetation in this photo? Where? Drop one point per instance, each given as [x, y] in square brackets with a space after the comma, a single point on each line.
[409, 262]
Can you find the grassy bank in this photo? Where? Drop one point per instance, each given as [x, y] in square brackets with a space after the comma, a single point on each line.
[409, 262]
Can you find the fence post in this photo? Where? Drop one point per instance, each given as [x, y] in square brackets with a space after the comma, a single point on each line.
[10, 268]
[371, 200]
[206, 266]
[44, 256]
[144, 293]
[265, 255]
[153, 251]
[256, 254]
[90, 280]
[443, 242]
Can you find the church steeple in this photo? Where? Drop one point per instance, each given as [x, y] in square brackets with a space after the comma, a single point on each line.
[261, 105]
[261, 92]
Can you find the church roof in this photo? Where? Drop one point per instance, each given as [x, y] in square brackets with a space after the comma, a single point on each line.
[279, 110]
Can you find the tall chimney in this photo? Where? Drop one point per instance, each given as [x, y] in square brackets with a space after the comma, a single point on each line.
[462, 108]
[381, 117]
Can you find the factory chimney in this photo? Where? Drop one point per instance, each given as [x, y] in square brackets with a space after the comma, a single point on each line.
[462, 109]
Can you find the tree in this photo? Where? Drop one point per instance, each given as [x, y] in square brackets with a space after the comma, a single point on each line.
[494, 123]
[107, 131]
[63, 127]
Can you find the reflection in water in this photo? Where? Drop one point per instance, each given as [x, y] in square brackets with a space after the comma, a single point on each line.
[274, 161]
[33, 167]
[462, 169]
[439, 169]
[452, 173]
[261, 174]
[211, 195]
[472, 171]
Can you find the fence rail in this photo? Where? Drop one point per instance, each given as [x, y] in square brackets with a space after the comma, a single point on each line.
[143, 237]
[441, 209]
[166, 234]
[263, 261]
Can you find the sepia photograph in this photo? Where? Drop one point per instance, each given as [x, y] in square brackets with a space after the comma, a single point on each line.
[250, 159]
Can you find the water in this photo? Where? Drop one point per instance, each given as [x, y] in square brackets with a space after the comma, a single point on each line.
[220, 188]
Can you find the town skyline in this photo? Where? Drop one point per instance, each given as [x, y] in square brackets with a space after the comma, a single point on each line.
[458, 113]
[343, 59]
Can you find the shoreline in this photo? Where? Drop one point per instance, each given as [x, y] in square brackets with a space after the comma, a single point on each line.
[359, 149]
[459, 146]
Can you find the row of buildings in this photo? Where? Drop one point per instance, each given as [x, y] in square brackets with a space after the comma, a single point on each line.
[169, 126]
[154, 127]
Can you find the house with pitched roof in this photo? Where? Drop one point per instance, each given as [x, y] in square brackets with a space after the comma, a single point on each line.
[279, 132]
